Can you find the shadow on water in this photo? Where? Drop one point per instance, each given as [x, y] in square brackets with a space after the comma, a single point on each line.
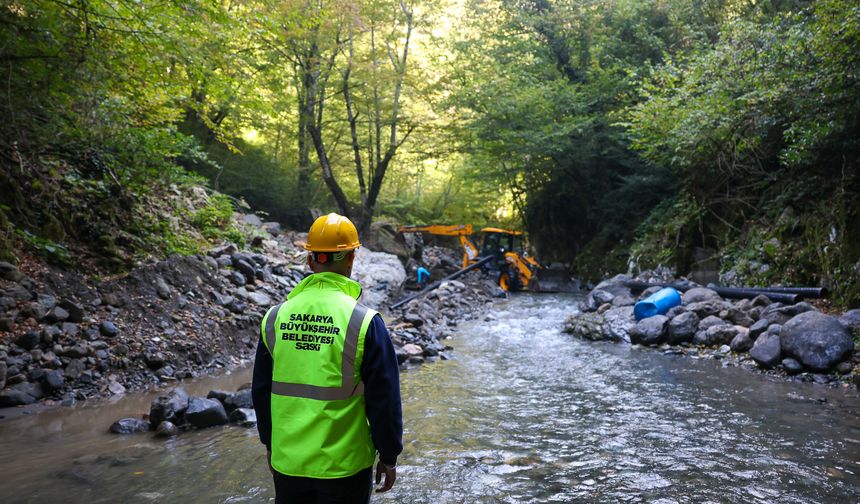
[522, 413]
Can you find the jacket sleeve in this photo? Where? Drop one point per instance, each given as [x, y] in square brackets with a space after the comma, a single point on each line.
[261, 393]
[381, 375]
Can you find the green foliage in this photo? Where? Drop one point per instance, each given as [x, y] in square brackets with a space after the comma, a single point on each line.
[50, 250]
[215, 220]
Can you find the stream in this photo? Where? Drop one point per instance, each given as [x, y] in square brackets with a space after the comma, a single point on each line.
[521, 413]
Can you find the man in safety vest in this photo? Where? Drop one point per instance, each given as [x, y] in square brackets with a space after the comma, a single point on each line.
[326, 381]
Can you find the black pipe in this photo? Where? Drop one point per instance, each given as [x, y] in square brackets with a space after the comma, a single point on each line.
[744, 293]
[726, 292]
[436, 284]
[803, 292]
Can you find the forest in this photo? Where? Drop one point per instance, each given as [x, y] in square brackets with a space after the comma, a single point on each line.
[620, 134]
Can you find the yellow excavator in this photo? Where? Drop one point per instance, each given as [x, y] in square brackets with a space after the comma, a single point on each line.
[516, 269]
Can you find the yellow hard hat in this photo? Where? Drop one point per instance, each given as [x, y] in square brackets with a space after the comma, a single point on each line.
[332, 233]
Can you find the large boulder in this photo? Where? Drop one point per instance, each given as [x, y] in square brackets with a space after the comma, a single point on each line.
[378, 273]
[202, 413]
[682, 328]
[758, 328]
[700, 294]
[649, 331]
[617, 323]
[766, 350]
[383, 237]
[170, 406]
[817, 340]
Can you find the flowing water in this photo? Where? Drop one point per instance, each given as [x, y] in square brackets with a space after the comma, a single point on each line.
[522, 413]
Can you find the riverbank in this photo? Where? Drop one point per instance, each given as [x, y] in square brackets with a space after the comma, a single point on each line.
[66, 336]
[795, 342]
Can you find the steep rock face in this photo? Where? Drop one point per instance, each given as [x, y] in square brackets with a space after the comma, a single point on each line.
[817, 340]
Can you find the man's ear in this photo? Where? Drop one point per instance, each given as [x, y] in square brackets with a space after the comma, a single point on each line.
[310, 261]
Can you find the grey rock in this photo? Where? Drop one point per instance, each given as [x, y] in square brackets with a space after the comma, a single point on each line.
[700, 294]
[791, 366]
[711, 321]
[650, 290]
[166, 428]
[161, 288]
[18, 293]
[241, 399]
[50, 335]
[739, 317]
[617, 323]
[245, 417]
[170, 406]
[46, 300]
[677, 310]
[75, 368]
[154, 359]
[741, 342]
[758, 328]
[844, 367]
[57, 314]
[224, 261]
[75, 311]
[53, 380]
[605, 307]
[28, 340]
[721, 334]
[602, 296]
[13, 397]
[623, 300]
[6, 303]
[260, 299]
[773, 314]
[682, 328]
[706, 308]
[34, 390]
[761, 301]
[202, 413]
[273, 228]
[851, 320]
[401, 354]
[797, 309]
[245, 268]
[649, 331]
[69, 329]
[218, 395]
[37, 311]
[817, 340]
[10, 272]
[129, 426]
[237, 278]
[766, 350]
[3, 370]
[7, 324]
[108, 329]
[77, 351]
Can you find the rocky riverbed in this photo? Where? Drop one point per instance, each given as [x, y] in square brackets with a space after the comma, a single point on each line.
[66, 336]
[792, 341]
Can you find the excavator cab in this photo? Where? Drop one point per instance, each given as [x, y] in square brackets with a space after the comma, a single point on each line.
[516, 269]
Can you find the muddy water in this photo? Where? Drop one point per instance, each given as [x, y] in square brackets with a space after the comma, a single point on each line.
[521, 414]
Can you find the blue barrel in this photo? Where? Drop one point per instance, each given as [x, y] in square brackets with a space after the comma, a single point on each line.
[657, 304]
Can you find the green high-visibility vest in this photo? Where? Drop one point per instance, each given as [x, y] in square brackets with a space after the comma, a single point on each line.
[316, 339]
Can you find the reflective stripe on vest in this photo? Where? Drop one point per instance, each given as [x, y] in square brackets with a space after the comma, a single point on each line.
[349, 388]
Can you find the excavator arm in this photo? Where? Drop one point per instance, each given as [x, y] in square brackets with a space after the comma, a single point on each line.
[462, 231]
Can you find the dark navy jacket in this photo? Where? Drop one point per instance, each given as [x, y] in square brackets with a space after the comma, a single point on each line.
[381, 377]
